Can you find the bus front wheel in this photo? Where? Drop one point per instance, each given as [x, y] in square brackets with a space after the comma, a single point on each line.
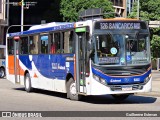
[72, 91]
[27, 83]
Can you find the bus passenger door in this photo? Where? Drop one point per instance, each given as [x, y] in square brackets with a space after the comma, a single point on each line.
[16, 60]
[81, 52]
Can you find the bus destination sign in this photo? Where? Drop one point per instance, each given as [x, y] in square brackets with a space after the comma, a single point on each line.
[110, 25]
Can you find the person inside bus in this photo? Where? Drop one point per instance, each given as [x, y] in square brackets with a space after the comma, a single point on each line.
[32, 47]
[53, 48]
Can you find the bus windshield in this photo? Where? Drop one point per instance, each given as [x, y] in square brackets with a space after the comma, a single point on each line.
[121, 49]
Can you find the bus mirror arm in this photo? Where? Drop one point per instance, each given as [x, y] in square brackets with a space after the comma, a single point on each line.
[89, 46]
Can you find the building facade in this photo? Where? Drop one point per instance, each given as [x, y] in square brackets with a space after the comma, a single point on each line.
[123, 7]
[2, 20]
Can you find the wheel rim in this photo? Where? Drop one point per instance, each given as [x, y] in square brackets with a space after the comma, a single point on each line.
[73, 89]
[2, 73]
[27, 83]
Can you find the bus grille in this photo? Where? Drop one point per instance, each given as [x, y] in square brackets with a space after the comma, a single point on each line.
[119, 87]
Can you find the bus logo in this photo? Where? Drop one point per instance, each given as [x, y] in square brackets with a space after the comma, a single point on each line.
[126, 80]
[3, 63]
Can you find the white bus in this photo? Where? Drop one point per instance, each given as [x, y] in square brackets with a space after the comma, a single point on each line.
[2, 60]
[89, 57]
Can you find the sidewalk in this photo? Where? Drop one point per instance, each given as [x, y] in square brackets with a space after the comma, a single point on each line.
[155, 85]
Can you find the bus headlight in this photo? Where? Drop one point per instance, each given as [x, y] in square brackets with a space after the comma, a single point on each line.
[101, 80]
[96, 78]
[147, 78]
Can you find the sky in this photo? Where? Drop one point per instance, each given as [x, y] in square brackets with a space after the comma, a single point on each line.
[47, 10]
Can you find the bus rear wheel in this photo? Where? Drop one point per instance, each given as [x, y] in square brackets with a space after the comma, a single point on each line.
[27, 83]
[72, 91]
[120, 97]
[2, 72]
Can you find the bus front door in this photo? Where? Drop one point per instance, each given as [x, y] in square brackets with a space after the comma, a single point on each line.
[81, 62]
[16, 62]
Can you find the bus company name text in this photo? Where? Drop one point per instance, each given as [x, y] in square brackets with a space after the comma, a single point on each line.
[57, 66]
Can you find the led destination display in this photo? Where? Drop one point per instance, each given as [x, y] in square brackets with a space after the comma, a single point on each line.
[111, 25]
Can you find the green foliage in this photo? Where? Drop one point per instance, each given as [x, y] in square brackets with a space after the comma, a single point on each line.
[150, 11]
[70, 8]
[155, 46]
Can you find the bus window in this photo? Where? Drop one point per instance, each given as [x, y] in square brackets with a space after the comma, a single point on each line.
[53, 46]
[68, 42]
[142, 44]
[10, 47]
[24, 45]
[104, 45]
[44, 43]
[57, 42]
[2, 51]
[33, 44]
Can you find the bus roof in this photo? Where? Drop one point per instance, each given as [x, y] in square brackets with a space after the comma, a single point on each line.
[44, 28]
[53, 26]
[122, 19]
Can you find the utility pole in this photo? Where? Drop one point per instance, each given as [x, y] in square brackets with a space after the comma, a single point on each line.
[22, 15]
[137, 9]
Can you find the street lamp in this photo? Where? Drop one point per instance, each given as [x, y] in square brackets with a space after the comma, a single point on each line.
[22, 14]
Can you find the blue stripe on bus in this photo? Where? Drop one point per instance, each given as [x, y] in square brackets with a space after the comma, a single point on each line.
[50, 66]
[121, 80]
[26, 61]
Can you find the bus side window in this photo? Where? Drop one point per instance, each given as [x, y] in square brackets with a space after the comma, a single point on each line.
[71, 43]
[57, 42]
[44, 44]
[24, 45]
[33, 44]
[67, 42]
[53, 46]
[10, 47]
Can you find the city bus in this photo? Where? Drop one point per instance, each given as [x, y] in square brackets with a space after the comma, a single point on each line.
[89, 57]
[2, 60]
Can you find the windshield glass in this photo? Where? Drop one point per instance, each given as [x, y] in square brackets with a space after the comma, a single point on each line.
[137, 49]
[121, 49]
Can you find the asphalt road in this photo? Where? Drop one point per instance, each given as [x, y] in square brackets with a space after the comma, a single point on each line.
[15, 98]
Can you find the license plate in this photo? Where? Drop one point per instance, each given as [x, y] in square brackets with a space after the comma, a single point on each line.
[126, 88]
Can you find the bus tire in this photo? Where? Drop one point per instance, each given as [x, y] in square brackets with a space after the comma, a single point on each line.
[27, 83]
[120, 97]
[2, 72]
[71, 90]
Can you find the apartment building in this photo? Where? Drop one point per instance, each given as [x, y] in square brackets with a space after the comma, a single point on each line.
[123, 7]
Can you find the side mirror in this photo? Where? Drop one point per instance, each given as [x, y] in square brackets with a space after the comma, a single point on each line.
[89, 45]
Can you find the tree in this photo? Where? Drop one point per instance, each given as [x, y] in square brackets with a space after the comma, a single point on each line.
[150, 11]
[70, 9]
